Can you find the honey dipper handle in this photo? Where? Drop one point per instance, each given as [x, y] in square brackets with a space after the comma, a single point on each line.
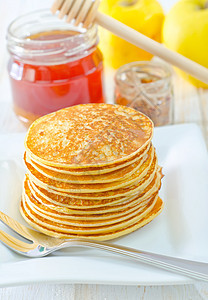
[134, 37]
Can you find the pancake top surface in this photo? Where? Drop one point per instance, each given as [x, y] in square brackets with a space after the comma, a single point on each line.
[87, 135]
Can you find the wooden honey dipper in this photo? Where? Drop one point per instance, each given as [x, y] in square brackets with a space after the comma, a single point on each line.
[86, 12]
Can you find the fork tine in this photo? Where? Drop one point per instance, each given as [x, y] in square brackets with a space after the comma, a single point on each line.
[18, 228]
[28, 233]
[14, 243]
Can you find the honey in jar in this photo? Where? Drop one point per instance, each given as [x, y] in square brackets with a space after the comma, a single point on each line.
[52, 65]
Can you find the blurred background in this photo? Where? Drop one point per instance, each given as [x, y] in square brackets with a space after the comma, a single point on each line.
[11, 9]
[181, 25]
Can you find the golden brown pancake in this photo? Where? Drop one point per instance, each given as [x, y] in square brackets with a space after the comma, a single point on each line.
[140, 222]
[80, 212]
[150, 163]
[89, 220]
[81, 227]
[77, 203]
[96, 170]
[119, 174]
[92, 172]
[88, 135]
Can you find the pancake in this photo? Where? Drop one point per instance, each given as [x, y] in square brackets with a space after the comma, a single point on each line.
[82, 211]
[92, 172]
[118, 193]
[81, 227]
[92, 215]
[88, 135]
[155, 211]
[79, 204]
[116, 175]
[96, 170]
[42, 180]
[89, 220]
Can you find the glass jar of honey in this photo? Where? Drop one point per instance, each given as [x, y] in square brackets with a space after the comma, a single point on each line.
[52, 65]
[147, 87]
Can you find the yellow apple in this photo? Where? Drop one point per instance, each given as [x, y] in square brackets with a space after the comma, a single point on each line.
[145, 16]
[185, 30]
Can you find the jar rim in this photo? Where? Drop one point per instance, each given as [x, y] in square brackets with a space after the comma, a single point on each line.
[82, 31]
[64, 48]
[140, 64]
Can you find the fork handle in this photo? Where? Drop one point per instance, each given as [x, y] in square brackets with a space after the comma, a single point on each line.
[194, 269]
[142, 41]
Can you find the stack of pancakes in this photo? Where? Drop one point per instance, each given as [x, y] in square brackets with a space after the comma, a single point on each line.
[92, 172]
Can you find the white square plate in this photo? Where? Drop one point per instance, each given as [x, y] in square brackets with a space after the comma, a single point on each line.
[180, 230]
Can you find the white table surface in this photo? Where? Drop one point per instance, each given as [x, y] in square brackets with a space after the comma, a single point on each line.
[190, 105]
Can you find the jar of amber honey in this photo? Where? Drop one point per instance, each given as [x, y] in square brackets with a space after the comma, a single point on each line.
[147, 87]
[52, 65]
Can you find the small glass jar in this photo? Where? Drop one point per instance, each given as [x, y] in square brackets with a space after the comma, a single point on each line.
[52, 65]
[147, 87]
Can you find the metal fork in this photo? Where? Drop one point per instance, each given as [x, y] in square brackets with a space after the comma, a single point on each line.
[38, 244]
